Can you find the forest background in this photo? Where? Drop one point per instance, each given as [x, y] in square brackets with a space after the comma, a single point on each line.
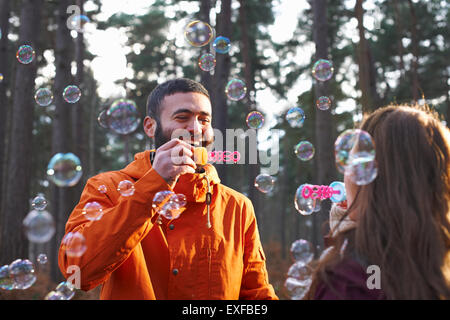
[383, 52]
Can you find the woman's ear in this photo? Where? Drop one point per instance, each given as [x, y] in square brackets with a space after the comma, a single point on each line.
[150, 126]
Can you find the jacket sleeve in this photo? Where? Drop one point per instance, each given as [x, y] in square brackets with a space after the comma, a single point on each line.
[110, 240]
[255, 280]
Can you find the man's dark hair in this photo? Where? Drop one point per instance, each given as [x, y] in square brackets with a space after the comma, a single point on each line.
[180, 85]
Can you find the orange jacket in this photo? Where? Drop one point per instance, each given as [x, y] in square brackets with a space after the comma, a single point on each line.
[134, 257]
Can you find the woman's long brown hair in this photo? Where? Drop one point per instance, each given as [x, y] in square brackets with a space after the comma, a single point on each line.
[403, 216]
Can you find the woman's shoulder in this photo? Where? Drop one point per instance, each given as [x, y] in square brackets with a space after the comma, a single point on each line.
[348, 280]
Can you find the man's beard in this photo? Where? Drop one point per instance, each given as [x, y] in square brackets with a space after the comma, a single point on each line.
[162, 137]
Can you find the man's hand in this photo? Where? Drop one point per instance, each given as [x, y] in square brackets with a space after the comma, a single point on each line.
[173, 159]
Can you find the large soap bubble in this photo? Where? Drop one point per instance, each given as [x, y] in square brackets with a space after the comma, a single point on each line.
[39, 226]
[22, 273]
[295, 117]
[222, 44]
[323, 70]
[72, 94]
[43, 97]
[198, 33]
[123, 116]
[6, 281]
[168, 204]
[66, 289]
[235, 89]
[264, 182]
[296, 288]
[255, 120]
[25, 54]
[355, 156]
[74, 244]
[207, 62]
[302, 272]
[323, 103]
[39, 202]
[93, 211]
[126, 188]
[304, 150]
[305, 206]
[302, 251]
[64, 169]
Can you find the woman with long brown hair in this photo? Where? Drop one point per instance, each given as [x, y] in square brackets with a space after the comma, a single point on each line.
[398, 225]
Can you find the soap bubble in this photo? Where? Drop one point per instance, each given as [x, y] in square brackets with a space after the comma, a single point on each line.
[123, 116]
[305, 206]
[341, 195]
[355, 156]
[198, 33]
[362, 169]
[6, 281]
[207, 62]
[102, 189]
[317, 205]
[323, 103]
[161, 198]
[74, 244]
[66, 289]
[103, 119]
[296, 288]
[236, 89]
[168, 204]
[43, 97]
[264, 182]
[295, 117]
[302, 251]
[39, 226]
[42, 258]
[54, 295]
[126, 188]
[302, 272]
[72, 94]
[222, 44]
[323, 70]
[304, 150]
[22, 273]
[64, 169]
[39, 202]
[93, 211]
[25, 54]
[255, 120]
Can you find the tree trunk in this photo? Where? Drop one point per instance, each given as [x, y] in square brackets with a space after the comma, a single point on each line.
[415, 51]
[14, 243]
[399, 28]
[205, 10]
[4, 103]
[323, 129]
[253, 169]
[79, 134]
[62, 197]
[222, 71]
[367, 82]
